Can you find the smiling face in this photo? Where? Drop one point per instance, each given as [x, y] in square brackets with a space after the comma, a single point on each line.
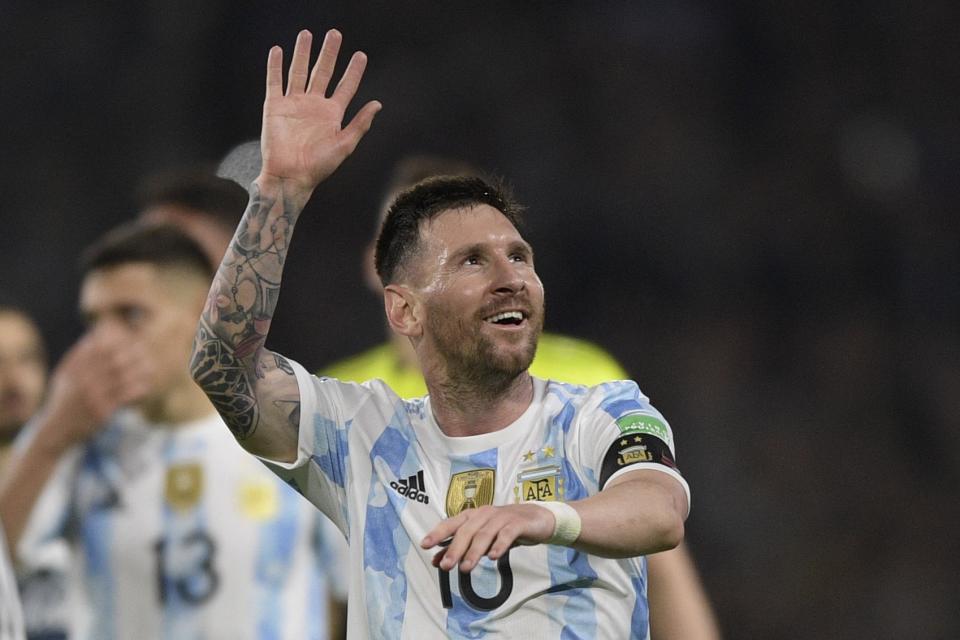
[479, 302]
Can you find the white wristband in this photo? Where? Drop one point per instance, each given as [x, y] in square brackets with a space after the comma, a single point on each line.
[567, 529]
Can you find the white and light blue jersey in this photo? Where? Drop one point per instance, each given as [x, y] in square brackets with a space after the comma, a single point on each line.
[179, 534]
[11, 617]
[380, 467]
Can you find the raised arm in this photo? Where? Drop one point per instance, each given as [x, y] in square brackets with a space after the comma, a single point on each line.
[303, 141]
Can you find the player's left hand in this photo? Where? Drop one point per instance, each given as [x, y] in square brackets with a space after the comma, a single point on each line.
[488, 531]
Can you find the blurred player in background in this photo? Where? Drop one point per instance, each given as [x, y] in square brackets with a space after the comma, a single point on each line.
[198, 202]
[121, 461]
[208, 207]
[679, 608]
[42, 570]
[11, 617]
[23, 372]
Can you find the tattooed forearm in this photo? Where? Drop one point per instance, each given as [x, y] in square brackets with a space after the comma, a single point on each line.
[222, 376]
[229, 356]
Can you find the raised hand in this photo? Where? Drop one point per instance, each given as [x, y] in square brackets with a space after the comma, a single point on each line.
[98, 375]
[303, 138]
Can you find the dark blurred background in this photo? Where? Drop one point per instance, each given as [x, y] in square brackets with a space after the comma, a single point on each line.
[752, 205]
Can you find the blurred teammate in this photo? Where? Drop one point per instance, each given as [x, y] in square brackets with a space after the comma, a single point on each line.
[207, 207]
[177, 532]
[23, 373]
[679, 609]
[435, 494]
[23, 379]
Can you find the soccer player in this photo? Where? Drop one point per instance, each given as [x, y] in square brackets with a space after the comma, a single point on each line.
[207, 208]
[23, 380]
[23, 373]
[679, 608]
[177, 532]
[499, 503]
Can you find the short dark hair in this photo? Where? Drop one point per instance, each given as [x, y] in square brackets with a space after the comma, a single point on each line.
[400, 232]
[160, 245]
[198, 189]
[412, 169]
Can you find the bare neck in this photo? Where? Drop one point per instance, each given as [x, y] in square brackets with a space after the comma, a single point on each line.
[462, 408]
[185, 402]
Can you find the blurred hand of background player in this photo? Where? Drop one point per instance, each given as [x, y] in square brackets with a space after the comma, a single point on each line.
[99, 374]
[303, 139]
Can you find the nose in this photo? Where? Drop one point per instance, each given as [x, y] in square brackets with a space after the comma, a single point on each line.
[508, 279]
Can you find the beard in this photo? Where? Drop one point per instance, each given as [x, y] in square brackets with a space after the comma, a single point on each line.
[474, 359]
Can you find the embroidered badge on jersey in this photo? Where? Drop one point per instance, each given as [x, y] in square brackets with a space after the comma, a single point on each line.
[469, 490]
[632, 449]
[183, 485]
[258, 498]
[644, 423]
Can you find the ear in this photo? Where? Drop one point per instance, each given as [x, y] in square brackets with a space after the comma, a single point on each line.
[401, 307]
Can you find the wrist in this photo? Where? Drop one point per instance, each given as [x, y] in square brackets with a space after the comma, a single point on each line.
[567, 523]
[291, 189]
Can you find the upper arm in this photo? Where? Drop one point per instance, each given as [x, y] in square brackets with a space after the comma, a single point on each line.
[260, 404]
[622, 433]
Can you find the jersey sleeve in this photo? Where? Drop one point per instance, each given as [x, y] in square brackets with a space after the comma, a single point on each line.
[42, 542]
[620, 431]
[332, 554]
[327, 409]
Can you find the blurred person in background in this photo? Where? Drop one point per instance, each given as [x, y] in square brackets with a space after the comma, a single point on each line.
[119, 460]
[679, 607]
[11, 617]
[41, 571]
[198, 202]
[23, 372]
[207, 207]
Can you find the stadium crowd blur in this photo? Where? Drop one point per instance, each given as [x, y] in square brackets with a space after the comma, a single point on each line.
[753, 206]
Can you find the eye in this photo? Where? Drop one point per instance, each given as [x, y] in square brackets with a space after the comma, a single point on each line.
[472, 260]
[133, 316]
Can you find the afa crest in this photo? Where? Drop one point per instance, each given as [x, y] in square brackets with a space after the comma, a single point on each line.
[542, 484]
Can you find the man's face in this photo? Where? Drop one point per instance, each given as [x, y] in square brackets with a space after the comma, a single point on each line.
[23, 371]
[155, 306]
[481, 297]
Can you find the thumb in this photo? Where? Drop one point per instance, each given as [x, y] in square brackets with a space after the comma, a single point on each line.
[359, 125]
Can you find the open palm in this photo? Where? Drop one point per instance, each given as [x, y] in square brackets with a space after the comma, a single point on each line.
[303, 139]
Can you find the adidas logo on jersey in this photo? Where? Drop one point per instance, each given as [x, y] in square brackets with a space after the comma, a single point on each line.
[412, 488]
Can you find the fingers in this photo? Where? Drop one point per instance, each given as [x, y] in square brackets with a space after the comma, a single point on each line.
[274, 73]
[358, 127]
[326, 61]
[489, 531]
[300, 64]
[352, 75]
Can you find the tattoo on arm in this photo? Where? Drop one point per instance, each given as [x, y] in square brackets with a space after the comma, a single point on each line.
[229, 356]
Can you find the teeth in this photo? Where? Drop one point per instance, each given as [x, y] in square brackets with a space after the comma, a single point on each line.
[506, 315]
